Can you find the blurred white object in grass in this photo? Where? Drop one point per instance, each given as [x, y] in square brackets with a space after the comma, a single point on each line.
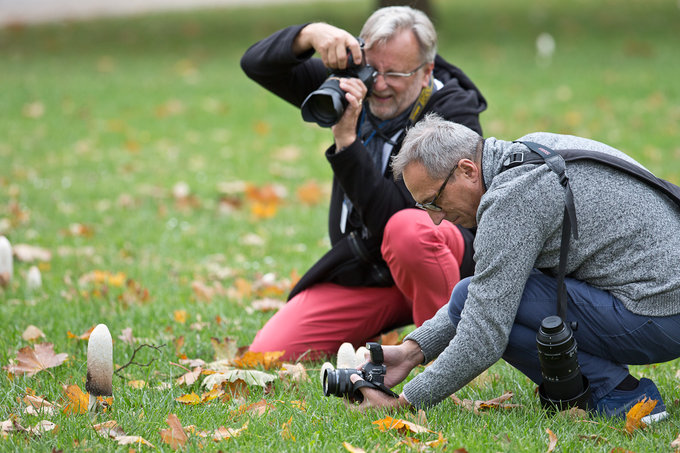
[99, 365]
[6, 262]
[33, 279]
[545, 48]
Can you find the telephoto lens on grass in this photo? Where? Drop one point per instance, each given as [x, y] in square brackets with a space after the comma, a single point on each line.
[563, 384]
[338, 383]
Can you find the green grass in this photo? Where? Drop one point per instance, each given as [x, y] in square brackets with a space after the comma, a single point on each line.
[131, 107]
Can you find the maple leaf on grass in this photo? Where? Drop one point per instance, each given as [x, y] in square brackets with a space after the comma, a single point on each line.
[77, 400]
[389, 423]
[267, 360]
[31, 361]
[175, 436]
[637, 412]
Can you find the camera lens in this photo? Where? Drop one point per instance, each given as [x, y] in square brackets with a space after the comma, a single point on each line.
[326, 105]
[337, 382]
[562, 379]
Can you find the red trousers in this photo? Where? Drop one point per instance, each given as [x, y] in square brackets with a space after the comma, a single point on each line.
[424, 260]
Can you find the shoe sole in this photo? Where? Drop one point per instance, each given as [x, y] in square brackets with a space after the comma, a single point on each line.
[652, 418]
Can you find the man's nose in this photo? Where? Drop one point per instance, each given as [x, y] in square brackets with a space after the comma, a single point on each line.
[379, 82]
[436, 216]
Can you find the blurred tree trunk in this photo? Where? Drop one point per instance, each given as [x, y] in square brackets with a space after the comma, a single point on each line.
[423, 5]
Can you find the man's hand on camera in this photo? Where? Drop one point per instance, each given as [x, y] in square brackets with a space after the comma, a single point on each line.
[344, 131]
[375, 399]
[330, 42]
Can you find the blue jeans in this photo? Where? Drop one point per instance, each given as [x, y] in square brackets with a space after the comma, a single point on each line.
[609, 337]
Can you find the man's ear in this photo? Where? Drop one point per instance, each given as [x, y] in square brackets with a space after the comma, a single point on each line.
[428, 69]
[469, 169]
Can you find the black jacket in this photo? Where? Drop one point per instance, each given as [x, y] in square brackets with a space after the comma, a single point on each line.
[355, 258]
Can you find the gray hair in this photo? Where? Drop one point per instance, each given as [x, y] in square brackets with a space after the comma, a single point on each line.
[437, 144]
[384, 23]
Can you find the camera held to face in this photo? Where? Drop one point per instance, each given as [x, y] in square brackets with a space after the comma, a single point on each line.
[563, 384]
[338, 383]
[326, 105]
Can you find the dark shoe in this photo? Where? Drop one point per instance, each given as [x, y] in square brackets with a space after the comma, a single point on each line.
[617, 403]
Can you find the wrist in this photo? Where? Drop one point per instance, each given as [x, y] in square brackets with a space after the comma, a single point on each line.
[413, 353]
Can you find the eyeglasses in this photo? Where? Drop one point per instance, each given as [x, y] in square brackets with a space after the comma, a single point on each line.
[391, 77]
[430, 205]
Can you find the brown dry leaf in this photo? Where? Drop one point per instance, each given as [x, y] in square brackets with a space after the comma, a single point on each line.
[137, 384]
[267, 304]
[294, 372]
[128, 440]
[390, 338]
[43, 426]
[190, 377]
[78, 401]
[478, 406]
[676, 443]
[110, 429]
[32, 333]
[309, 193]
[285, 430]
[553, 440]
[258, 408]
[36, 405]
[189, 399]
[637, 412]
[31, 361]
[224, 349]
[175, 435]
[126, 336]
[226, 433]
[203, 292]
[352, 449]
[83, 336]
[264, 201]
[389, 423]
[440, 442]
[251, 359]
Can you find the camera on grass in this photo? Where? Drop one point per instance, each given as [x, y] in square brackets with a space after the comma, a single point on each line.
[326, 105]
[338, 383]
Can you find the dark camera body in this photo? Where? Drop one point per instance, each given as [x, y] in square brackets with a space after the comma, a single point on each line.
[563, 384]
[338, 383]
[326, 105]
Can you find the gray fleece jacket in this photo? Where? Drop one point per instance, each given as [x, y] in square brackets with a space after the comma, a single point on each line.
[629, 245]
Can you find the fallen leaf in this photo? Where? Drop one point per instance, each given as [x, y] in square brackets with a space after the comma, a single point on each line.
[180, 316]
[637, 412]
[440, 442]
[32, 333]
[189, 399]
[174, 435]
[552, 440]
[309, 193]
[36, 405]
[250, 377]
[285, 430]
[126, 336]
[267, 360]
[137, 384]
[190, 377]
[43, 426]
[293, 372]
[31, 361]
[390, 338]
[78, 400]
[352, 449]
[676, 443]
[477, 406]
[109, 428]
[224, 349]
[226, 433]
[127, 440]
[83, 336]
[258, 408]
[267, 304]
[389, 423]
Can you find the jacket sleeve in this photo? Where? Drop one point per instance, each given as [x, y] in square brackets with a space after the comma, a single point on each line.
[272, 64]
[375, 196]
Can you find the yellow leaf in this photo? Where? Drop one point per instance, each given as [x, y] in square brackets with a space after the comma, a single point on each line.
[190, 398]
[285, 430]
[251, 359]
[212, 394]
[441, 441]
[137, 384]
[389, 423]
[352, 449]
[77, 400]
[226, 433]
[637, 412]
[180, 316]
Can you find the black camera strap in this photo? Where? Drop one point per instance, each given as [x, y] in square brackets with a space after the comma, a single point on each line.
[555, 160]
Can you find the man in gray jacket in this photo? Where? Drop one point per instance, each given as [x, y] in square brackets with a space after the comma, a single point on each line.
[623, 280]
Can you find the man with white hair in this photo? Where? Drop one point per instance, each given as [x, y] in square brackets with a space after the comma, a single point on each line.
[388, 266]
